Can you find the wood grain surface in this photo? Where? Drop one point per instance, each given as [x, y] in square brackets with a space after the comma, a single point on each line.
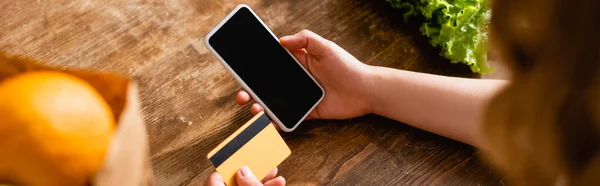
[188, 97]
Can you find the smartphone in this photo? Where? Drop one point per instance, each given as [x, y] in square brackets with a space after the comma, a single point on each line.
[269, 72]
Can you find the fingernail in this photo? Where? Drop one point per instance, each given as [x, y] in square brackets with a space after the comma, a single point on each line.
[246, 172]
[285, 37]
[217, 176]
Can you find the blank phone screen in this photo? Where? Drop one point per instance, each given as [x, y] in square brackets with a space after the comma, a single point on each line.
[266, 67]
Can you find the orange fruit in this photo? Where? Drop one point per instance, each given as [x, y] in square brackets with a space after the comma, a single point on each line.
[55, 129]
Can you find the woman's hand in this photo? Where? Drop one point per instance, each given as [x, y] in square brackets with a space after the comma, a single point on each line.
[245, 177]
[346, 80]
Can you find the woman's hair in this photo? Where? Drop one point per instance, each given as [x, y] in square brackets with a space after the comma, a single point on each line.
[544, 128]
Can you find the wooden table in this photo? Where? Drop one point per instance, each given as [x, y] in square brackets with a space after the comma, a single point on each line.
[188, 97]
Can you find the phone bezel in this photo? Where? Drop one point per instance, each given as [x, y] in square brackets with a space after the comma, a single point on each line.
[244, 85]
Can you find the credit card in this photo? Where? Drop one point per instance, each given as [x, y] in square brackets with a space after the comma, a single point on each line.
[257, 144]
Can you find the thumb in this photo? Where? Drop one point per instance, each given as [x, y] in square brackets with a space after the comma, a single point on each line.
[245, 177]
[311, 42]
[214, 180]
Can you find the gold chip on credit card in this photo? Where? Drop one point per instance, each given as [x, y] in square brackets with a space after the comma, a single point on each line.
[257, 144]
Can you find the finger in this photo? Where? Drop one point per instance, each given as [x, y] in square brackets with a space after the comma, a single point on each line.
[242, 97]
[302, 56]
[270, 176]
[245, 177]
[256, 108]
[276, 126]
[279, 181]
[214, 180]
[313, 43]
[312, 115]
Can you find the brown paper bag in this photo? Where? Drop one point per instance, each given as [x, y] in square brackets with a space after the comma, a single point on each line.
[127, 160]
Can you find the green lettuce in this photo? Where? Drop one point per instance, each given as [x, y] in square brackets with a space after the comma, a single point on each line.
[457, 27]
